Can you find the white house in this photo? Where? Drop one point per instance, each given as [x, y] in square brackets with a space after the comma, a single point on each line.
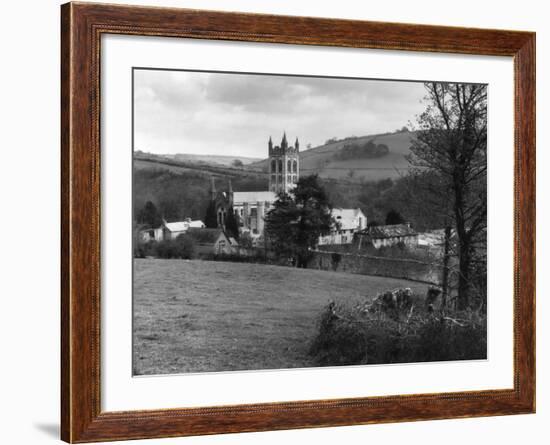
[171, 230]
[348, 222]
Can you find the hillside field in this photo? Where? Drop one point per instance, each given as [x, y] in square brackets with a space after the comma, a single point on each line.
[200, 316]
[322, 159]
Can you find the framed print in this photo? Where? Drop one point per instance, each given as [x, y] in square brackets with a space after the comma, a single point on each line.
[276, 222]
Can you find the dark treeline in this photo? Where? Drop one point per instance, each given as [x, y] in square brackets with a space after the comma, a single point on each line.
[362, 150]
[186, 195]
[183, 195]
[377, 199]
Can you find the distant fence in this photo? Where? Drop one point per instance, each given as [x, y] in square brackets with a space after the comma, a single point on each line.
[373, 265]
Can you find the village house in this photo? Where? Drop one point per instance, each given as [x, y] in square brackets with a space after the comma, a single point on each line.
[173, 229]
[432, 238]
[150, 234]
[211, 241]
[391, 235]
[348, 222]
[168, 231]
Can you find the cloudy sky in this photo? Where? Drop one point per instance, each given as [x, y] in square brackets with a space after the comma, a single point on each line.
[234, 114]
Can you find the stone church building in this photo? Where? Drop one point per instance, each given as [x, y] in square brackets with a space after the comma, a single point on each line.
[251, 207]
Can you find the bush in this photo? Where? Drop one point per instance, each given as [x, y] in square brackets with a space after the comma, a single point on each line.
[254, 256]
[182, 247]
[361, 335]
[145, 249]
[340, 341]
[335, 259]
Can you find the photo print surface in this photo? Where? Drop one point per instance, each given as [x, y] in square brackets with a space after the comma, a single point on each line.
[285, 221]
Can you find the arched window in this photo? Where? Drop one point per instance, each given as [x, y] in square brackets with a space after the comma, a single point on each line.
[289, 166]
[295, 166]
[273, 166]
[280, 165]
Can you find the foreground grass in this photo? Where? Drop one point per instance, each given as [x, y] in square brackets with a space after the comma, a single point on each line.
[199, 316]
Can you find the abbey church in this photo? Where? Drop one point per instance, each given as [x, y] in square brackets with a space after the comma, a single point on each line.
[251, 207]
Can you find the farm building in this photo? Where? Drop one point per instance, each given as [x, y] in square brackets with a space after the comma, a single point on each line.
[171, 230]
[150, 234]
[211, 241]
[432, 238]
[384, 236]
[349, 222]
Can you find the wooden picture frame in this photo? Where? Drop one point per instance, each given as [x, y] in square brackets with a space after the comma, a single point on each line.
[82, 26]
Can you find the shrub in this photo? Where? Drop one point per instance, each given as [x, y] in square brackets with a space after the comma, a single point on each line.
[145, 249]
[166, 249]
[366, 334]
[340, 341]
[186, 246]
[182, 247]
[254, 256]
[335, 260]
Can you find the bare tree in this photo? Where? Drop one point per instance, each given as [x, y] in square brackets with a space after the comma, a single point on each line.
[451, 146]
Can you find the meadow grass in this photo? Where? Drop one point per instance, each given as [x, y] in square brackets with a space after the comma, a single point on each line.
[200, 316]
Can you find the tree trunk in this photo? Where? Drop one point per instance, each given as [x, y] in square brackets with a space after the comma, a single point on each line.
[445, 278]
[463, 277]
[463, 242]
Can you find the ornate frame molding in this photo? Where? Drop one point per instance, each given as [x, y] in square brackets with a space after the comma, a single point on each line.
[82, 25]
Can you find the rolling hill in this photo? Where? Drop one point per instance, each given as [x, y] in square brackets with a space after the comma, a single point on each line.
[324, 161]
[160, 162]
[211, 159]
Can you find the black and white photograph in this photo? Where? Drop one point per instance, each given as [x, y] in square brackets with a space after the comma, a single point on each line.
[283, 221]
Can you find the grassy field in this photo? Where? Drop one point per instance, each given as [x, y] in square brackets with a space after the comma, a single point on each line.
[199, 316]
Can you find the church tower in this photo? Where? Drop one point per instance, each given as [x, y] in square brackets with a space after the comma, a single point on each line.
[284, 165]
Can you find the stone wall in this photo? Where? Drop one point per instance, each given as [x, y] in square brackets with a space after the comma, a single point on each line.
[372, 265]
